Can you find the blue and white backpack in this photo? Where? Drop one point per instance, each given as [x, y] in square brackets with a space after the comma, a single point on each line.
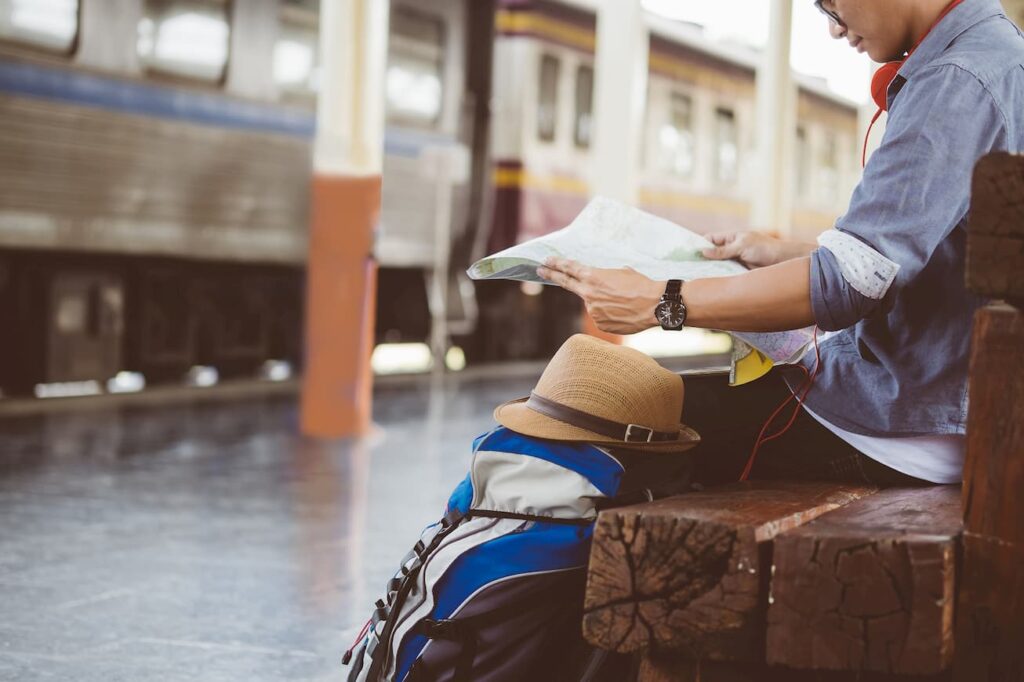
[494, 591]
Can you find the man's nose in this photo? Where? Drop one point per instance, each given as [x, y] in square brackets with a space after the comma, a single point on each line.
[836, 30]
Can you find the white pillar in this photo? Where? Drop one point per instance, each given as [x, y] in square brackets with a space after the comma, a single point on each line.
[254, 34]
[776, 126]
[620, 96]
[100, 20]
[350, 108]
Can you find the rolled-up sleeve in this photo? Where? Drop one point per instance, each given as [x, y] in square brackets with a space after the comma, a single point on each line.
[915, 190]
[835, 303]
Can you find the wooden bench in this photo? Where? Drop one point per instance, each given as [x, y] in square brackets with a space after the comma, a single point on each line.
[803, 581]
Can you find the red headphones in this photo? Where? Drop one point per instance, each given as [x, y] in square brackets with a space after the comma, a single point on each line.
[881, 81]
[887, 73]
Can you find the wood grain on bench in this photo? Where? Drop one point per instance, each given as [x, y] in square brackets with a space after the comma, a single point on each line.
[869, 586]
[690, 573]
[990, 618]
[990, 607]
[995, 243]
[669, 667]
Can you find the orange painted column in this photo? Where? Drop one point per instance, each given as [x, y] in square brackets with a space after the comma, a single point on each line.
[341, 288]
[341, 301]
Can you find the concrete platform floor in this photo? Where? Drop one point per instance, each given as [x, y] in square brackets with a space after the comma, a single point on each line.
[206, 540]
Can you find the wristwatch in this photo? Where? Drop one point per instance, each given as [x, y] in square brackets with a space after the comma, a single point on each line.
[670, 311]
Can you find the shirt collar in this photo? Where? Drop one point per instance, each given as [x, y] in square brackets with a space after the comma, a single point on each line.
[963, 17]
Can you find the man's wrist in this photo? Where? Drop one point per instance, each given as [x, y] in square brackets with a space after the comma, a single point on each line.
[670, 312]
[792, 250]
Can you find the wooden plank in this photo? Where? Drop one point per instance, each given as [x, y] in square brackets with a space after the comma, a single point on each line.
[667, 667]
[995, 242]
[690, 573]
[869, 587]
[990, 617]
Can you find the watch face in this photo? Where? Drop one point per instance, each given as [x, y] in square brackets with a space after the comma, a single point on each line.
[670, 314]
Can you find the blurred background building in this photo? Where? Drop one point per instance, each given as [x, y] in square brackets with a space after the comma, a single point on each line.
[155, 175]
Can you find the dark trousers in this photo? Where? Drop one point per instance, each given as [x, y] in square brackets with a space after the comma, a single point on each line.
[729, 419]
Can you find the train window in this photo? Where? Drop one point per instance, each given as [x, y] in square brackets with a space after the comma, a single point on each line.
[414, 84]
[675, 138]
[50, 24]
[296, 53]
[803, 162]
[187, 38]
[726, 146]
[547, 98]
[584, 106]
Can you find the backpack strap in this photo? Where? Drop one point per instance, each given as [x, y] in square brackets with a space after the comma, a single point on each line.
[491, 514]
[672, 487]
[398, 591]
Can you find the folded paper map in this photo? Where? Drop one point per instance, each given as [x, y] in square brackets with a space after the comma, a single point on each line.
[611, 234]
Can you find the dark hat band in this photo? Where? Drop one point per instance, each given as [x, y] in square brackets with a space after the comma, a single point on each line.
[627, 433]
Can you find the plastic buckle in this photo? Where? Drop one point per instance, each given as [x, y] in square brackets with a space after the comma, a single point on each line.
[447, 629]
[641, 439]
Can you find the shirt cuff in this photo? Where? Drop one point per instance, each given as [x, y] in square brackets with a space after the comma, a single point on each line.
[863, 268]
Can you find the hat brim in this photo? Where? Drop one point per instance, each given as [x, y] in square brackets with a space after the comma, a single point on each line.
[517, 416]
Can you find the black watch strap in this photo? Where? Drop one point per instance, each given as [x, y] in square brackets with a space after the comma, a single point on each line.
[673, 290]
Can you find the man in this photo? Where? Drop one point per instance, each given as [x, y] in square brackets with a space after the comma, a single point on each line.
[889, 401]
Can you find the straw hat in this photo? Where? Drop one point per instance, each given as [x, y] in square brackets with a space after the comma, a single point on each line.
[596, 392]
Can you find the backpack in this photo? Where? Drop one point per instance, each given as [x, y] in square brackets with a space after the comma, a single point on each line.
[493, 592]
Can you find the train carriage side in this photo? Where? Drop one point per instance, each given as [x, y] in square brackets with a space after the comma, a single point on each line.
[154, 199]
[541, 122]
[155, 175]
[431, 110]
[698, 162]
[699, 159]
[153, 189]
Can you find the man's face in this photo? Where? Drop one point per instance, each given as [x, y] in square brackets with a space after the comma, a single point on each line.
[879, 27]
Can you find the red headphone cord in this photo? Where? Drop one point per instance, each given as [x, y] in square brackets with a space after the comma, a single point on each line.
[800, 395]
[867, 136]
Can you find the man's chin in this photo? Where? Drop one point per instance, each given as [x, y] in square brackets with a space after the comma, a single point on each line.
[880, 57]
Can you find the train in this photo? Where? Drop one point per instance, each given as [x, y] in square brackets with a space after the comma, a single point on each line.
[155, 172]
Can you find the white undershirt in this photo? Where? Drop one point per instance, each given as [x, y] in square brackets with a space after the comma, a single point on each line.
[937, 459]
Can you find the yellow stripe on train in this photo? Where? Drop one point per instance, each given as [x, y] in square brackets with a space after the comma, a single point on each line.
[510, 21]
[511, 178]
[517, 178]
[544, 27]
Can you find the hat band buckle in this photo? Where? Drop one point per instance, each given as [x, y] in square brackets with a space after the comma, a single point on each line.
[629, 434]
[626, 433]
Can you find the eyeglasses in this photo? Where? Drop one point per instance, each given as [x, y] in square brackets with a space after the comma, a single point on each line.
[829, 13]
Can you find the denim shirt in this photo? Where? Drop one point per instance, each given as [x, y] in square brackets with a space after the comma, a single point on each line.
[898, 367]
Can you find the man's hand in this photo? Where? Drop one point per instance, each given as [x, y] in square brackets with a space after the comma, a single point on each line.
[754, 249]
[620, 301]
